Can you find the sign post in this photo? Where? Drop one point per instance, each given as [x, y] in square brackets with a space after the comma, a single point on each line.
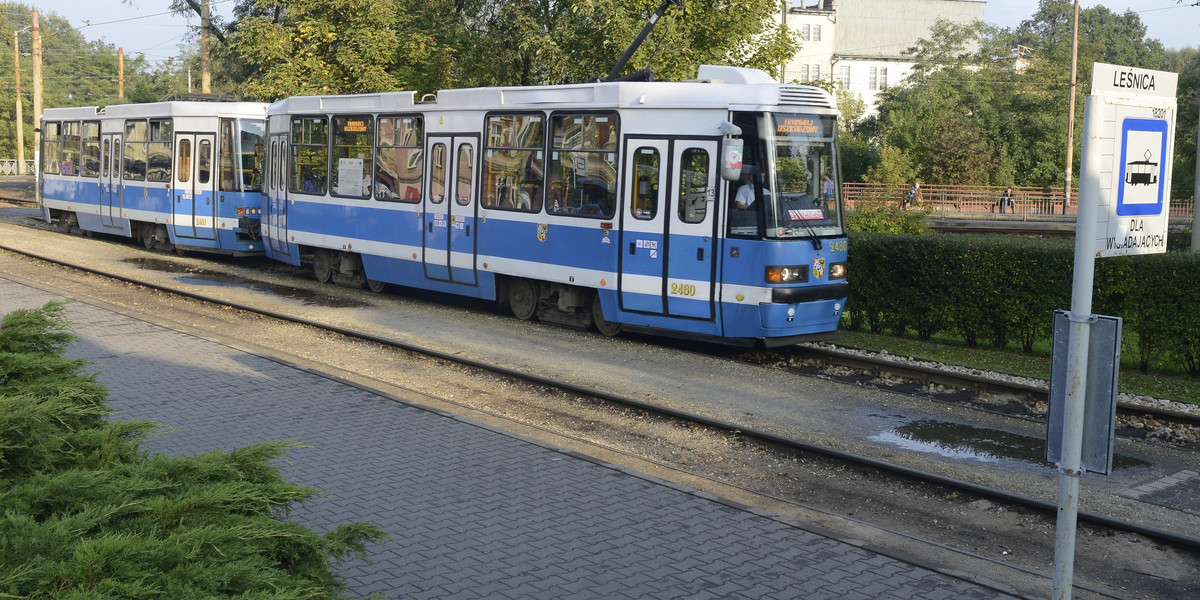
[1124, 200]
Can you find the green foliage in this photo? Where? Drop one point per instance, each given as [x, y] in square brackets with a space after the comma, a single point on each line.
[1004, 289]
[87, 514]
[972, 114]
[881, 218]
[349, 46]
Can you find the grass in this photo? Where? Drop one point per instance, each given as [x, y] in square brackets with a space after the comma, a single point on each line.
[1180, 388]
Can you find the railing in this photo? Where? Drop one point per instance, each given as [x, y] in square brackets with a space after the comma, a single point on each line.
[8, 167]
[963, 200]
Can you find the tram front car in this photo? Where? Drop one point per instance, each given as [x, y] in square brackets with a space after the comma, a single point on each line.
[784, 267]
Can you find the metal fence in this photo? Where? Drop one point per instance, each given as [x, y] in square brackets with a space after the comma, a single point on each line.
[959, 200]
[8, 167]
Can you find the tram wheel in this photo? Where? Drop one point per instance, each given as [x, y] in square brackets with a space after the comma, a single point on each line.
[323, 265]
[65, 222]
[146, 232]
[522, 298]
[604, 326]
[375, 286]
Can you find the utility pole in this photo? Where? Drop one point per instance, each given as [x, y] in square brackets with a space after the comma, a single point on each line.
[205, 61]
[37, 83]
[20, 118]
[121, 74]
[1071, 111]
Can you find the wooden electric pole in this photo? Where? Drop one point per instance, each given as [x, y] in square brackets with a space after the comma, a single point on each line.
[1071, 111]
[121, 74]
[20, 118]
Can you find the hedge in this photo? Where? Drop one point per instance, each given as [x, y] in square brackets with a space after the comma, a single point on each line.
[1003, 290]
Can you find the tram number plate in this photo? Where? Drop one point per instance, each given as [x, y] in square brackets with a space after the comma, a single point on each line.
[683, 289]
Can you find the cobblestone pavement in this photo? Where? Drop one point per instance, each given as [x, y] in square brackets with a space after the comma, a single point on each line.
[473, 512]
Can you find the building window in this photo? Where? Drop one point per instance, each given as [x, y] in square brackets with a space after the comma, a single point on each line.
[873, 80]
[883, 80]
[805, 32]
[843, 76]
[803, 73]
[816, 72]
[816, 33]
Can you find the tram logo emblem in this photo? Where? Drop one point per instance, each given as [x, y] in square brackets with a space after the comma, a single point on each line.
[542, 230]
[818, 268]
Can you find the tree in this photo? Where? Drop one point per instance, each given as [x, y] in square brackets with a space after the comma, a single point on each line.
[311, 46]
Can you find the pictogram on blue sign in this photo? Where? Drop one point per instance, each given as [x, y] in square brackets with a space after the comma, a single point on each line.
[1143, 161]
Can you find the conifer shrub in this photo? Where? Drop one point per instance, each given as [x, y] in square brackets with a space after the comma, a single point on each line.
[85, 513]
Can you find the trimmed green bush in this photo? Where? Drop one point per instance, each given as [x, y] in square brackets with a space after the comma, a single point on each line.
[87, 514]
[1005, 289]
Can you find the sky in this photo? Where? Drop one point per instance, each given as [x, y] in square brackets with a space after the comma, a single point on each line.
[147, 27]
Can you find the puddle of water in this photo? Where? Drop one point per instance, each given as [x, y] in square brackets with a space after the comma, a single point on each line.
[195, 276]
[956, 440]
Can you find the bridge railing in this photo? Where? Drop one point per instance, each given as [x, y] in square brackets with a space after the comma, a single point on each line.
[977, 201]
[8, 167]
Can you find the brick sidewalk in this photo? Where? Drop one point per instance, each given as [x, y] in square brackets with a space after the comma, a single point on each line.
[473, 512]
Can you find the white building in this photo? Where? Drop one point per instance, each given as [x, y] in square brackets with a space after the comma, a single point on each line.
[860, 44]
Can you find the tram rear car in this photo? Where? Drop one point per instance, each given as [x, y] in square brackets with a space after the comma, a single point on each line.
[702, 209]
[179, 173]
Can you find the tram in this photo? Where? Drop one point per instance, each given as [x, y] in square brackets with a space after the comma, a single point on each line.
[183, 174]
[704, 209]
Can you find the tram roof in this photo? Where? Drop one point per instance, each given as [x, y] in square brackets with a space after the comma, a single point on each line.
[159, 109]
[715, 87]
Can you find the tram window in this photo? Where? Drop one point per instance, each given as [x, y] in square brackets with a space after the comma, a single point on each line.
[582, 173]
[105, 158]
[183, 165]
[70, 148]
[309, 155]
[204, 162]
[514, 163]
[134, 161]
[51, 148]
[693, 185]
[226, 151]
[437, 174]
[465, 173]
[158, 151]
[90, 159]
[353, 143]
[252, 152]
[645, 183]
[399, 161]
[274, 158]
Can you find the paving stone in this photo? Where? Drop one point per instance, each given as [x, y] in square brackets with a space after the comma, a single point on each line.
[473, 512]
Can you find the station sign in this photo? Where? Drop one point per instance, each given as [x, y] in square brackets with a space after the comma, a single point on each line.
[1130, 150]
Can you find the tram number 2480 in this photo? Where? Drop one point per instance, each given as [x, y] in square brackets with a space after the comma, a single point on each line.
[683, 289]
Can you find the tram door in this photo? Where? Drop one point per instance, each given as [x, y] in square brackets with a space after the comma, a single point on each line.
[275, 183]
[110, 179]
[448, 215]
[667, 239]
[194, 209]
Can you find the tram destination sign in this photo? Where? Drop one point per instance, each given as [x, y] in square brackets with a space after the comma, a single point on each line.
[1129, 145]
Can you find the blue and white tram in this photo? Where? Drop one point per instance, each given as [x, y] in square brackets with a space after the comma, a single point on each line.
[178, 173]
[703, 209]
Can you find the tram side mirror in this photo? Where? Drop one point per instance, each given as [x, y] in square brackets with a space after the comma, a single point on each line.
[731, 159]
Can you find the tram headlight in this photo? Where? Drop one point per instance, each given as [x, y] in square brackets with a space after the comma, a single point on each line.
[837, 271]
[789, 274]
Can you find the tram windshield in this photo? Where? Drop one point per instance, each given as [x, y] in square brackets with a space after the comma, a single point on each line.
[241, 155]
[803, 177]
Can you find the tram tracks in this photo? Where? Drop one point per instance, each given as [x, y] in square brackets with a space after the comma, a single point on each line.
[781, 443]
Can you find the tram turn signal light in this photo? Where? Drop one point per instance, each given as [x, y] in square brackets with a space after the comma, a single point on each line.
[837, 270]
[244, 211]
[792, 274]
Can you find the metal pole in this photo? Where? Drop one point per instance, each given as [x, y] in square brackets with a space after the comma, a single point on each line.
[37, 83]
[1071, 112]
[1070, 468]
